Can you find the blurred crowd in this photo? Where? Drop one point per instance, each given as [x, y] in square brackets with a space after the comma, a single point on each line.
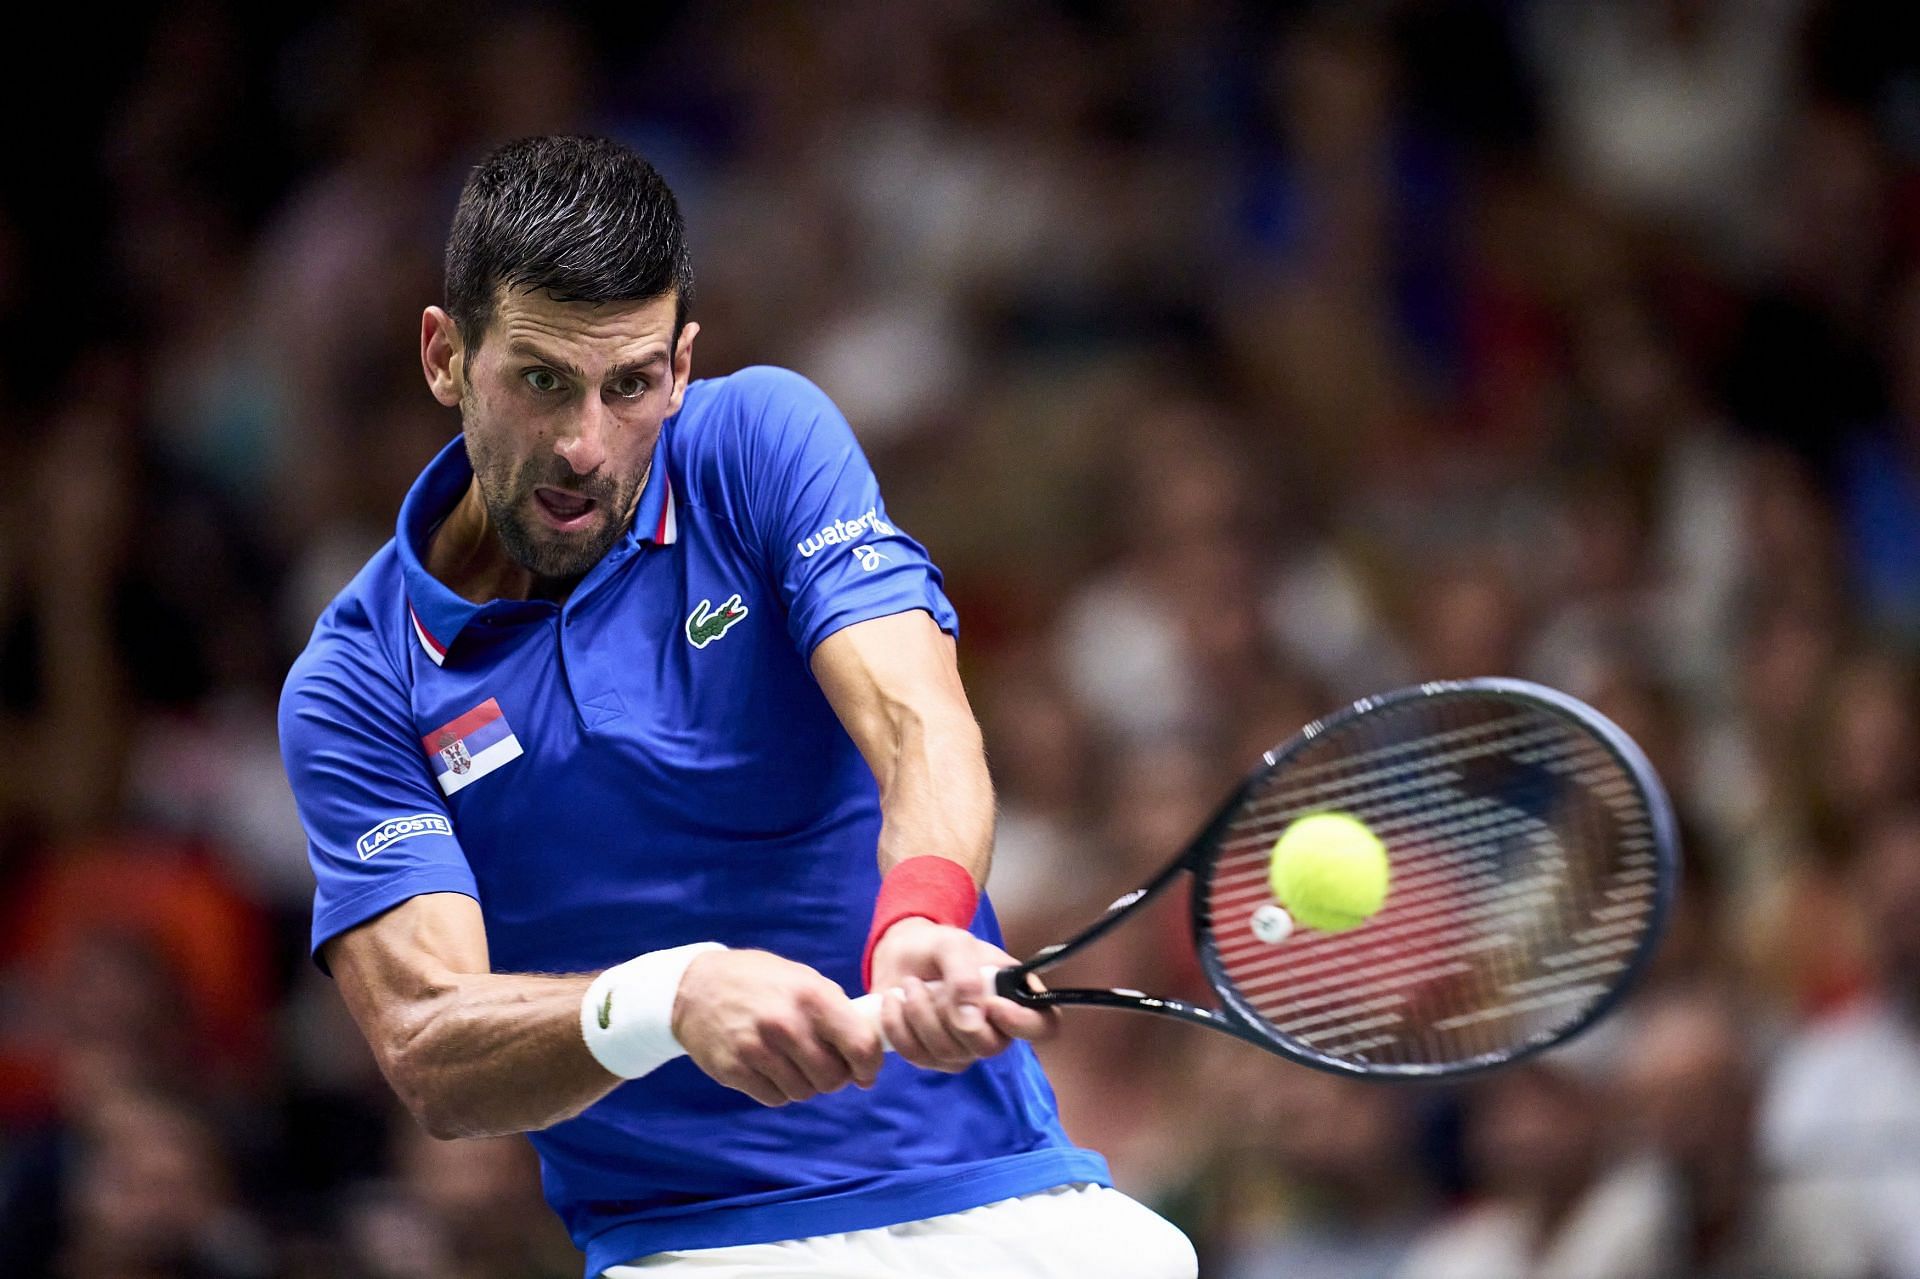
[1234, 360]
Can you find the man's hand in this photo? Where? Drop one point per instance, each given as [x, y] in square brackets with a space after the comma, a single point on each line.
[964, 1020]
[776, 1030]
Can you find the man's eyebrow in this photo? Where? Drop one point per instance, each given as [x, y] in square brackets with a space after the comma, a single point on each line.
[526, 350]
[646, 363]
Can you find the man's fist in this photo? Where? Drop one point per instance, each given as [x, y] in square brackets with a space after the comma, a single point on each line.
[776, 1030]
[951, 1027]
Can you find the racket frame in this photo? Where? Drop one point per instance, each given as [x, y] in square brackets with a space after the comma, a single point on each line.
[1237, 1018]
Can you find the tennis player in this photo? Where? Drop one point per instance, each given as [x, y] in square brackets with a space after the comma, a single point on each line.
[639, 747]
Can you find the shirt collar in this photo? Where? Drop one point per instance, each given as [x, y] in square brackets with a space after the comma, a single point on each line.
[438, 615]
[656, 517]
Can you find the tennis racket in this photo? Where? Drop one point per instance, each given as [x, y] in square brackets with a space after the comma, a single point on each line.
[1532, 859]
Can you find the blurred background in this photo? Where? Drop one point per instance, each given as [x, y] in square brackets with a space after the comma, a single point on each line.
[1233, 360]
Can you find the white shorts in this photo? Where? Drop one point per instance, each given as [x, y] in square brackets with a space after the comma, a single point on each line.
[1069, 1232]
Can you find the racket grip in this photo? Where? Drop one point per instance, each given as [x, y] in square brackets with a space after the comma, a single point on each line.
[868, 1005]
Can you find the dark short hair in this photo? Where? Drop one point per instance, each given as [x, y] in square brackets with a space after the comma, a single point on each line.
[582, 219]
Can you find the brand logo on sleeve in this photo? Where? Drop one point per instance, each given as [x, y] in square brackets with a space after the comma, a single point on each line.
[395, 829]
[707, 623]
[464, 750]
[845, 531]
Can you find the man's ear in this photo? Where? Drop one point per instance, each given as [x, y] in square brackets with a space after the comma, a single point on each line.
[442, 356]
[682, 364]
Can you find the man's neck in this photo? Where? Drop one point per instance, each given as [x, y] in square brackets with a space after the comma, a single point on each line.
[465, 554]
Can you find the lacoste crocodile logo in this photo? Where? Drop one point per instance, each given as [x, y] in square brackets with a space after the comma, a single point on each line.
[707, 624]
[606, 1011]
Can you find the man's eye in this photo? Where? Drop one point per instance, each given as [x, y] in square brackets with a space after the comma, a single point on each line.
[628, 388]
[545, 381]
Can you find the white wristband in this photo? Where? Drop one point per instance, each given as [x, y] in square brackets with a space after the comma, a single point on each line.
[626, 1016]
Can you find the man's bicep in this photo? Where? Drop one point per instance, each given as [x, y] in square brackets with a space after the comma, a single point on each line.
[885, 672]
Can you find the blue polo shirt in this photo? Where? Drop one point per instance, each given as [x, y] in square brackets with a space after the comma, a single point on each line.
[648, 764]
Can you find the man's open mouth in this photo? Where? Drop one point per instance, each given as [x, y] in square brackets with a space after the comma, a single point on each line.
[562, 508]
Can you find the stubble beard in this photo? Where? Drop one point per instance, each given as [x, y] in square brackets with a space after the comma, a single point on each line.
[507, 489]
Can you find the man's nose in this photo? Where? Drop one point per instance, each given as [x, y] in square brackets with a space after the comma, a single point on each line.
[585, 446]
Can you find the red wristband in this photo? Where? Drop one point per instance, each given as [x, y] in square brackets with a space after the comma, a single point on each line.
[926, 887]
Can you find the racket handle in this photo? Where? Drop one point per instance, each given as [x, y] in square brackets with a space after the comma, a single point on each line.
[868, 1005]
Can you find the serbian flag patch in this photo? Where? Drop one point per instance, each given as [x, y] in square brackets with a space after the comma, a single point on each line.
[466, 749]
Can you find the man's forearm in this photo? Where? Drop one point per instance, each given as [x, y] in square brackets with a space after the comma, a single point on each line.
[936, 798]
[494, 1053]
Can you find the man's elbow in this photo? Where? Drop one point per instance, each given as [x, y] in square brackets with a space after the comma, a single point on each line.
[428, 1108]
[405, 1055]
[439, 1114]
[446, 1120]
[448, 1108]
[438, 1121]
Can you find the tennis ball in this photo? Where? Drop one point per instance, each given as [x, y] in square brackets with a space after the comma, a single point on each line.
[1329, 871]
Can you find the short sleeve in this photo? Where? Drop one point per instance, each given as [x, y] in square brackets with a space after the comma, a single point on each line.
[835, 554]
[378, 829]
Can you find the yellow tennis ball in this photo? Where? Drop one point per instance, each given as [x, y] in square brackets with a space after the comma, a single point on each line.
[1329, 871]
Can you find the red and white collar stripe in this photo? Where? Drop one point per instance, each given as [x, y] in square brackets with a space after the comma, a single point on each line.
[436, 651]
[668, 528]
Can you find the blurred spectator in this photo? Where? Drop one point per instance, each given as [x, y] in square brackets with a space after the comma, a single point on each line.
[1669, 107]
[1468, 623]
[1869, 758]
[1551, 1205]
[1306, 1173]
[465, 1208]
[153, 1195]
[1133, 639]
[1688, 1095]
[1042, 756]
[1880, 481]
[138, 963]
[1843, 1105]
[1803, 371]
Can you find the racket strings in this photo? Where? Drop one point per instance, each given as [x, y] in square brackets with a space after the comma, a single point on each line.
[1523, 884]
